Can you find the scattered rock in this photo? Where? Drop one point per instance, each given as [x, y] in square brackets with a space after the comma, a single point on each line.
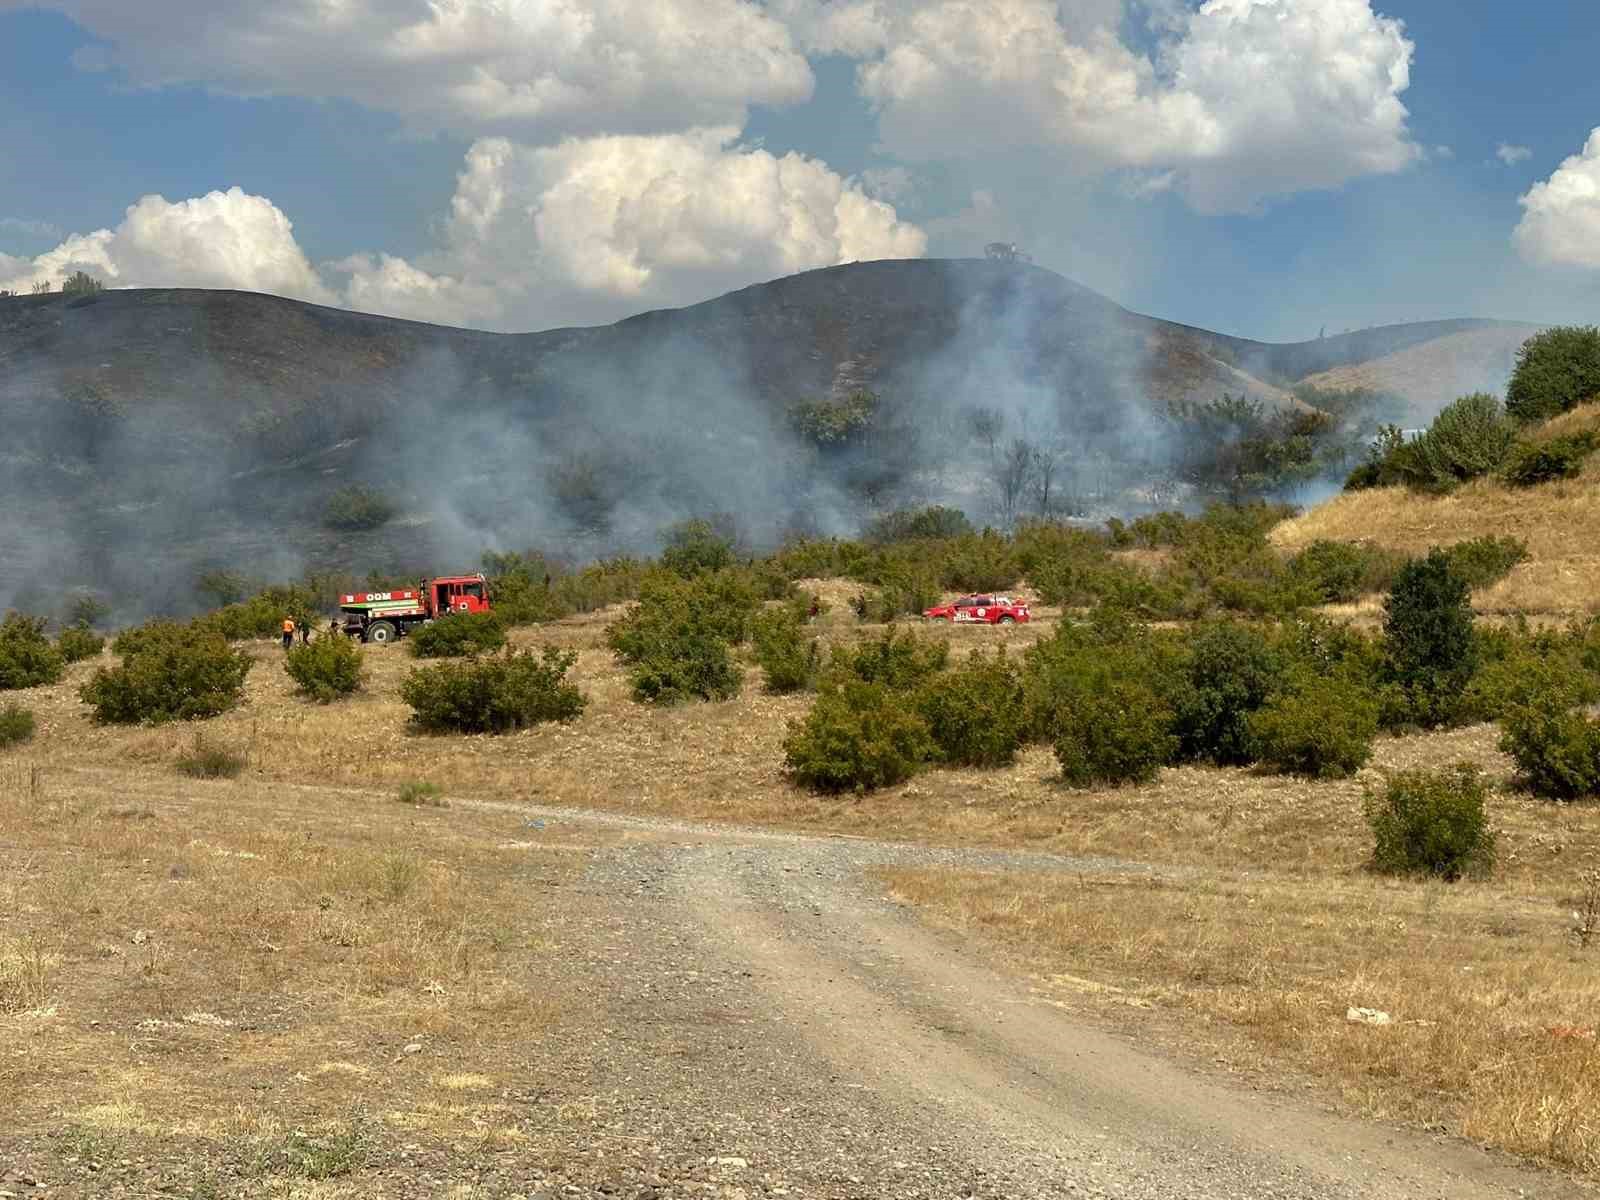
[1368, 1016]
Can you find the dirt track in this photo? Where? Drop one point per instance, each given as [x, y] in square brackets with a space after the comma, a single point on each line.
[765, 1023]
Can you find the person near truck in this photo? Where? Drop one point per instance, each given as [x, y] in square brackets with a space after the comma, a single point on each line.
[288, 632]
[305, 632]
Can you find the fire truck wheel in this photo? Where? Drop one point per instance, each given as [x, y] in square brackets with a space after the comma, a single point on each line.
[381, 632]
[1008, 620]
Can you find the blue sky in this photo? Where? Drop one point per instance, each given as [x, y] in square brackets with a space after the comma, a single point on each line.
[417, 186]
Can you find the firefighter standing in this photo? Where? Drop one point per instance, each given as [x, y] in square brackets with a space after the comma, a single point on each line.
[305, 632]
[288, 632]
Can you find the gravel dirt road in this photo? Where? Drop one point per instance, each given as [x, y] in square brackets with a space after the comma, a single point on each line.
[764, 1022]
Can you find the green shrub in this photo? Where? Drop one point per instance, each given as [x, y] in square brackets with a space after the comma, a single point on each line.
[1533, 463]
[786, 655]
[77, 643]
[1522, 678]
[676, 641]
[1469, 438]
[1486, 560]
[698, 547]
[1556, 747]
[27, 659]
[975, 712]
[172, 673]
[458, 635]
[1341, 572]
[422, 793]
[1556, 370]
[262, 615]
[985, 562]
[207, 761]
[355, 509]
[901, 660]
[1431, 823]
[16, 725]
[1322, 728]
[1114, 733]
[857, 737]
[498, 694]
[1430, 653]
[326, 669]
[917, 524]
[1231, 672]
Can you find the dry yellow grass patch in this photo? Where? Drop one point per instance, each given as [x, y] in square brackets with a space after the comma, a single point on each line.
[1492, 1006]
[1560, 522]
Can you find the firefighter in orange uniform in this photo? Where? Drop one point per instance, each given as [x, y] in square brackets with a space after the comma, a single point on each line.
[288, 632]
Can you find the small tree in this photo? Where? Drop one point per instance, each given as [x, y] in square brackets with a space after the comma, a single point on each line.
[787, 657]
[171, 673]
[457, 635]
[1556, 747]
[1556, 370]
[1114, 733]
[1431, 823]
[325, 669]
[858, 737]
[976, 713]
[699, 547]
[1231, 672]
[1428, 644]
[1322, 728]
[82, 284]
[500, 694]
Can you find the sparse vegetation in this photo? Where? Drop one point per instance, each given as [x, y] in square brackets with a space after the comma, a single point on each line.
[76, 643]
[421, 793]
[499, 694]
[787, 657]
[1534, 463]
[16, 725]
[326, 669]
[1432, 823]
[207, 760]
[357, 509]
[1480, 562]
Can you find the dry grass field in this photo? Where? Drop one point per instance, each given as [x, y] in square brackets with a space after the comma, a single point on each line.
[238, 967]
[1559, 521]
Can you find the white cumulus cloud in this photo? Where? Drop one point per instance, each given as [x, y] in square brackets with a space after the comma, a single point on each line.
[222, 240]
[596, 228]
[1561, 216]
[538, 69]
[1241, 99]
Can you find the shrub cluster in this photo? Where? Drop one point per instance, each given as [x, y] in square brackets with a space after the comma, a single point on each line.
[1556, 747]
[677, 641]
[902, 661]
[169, 673]
[1116, 733]
[27, 659]
[1533, 463]
[421, 793]
[78, 643]
[1322, 728]
[857, 737]
[788, 658]
[1431, 654]
[16, 725]
[1431, 823]
[1341, 572]
[1556, 370]
[918, 524]
[497, 694]
[326, 669]
[1231, 671]
[975, 712]
[698, 547]
[1471, 437]
[1482, 561]
[458, 635]
[206, 760]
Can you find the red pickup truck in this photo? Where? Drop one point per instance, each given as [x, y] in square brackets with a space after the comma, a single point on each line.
[980, 610]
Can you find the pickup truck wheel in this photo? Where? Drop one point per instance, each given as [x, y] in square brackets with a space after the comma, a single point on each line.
[380, 633]
[1008, 620]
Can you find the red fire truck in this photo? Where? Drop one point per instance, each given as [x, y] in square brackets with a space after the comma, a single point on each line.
[381, 617]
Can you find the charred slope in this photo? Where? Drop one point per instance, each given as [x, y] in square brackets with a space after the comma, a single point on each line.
[150, 432]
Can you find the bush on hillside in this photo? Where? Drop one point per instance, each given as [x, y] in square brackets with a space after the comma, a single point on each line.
[1470, 438]
[917, 524]
[175, 673]
[1533, 463]
[1430, 653]
[699, 547]
[1482, 561]
[1431, 823]
[206, 760]
[1556, 747]
[77, 643]
[326, 669]
[1115, 733]
[1321, 728]
[357, 509]
[498, 694]
[857, 737]
[1087, 657]
[1342, 572]
[985, 562]
[457, 635]
[900, 660]
[16, 725]
[1526, 677]
[261, 616]
[677, 640]
[788, 658]
[1231, 672]
[975, 711]
[1556, 370]
[27, 659]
